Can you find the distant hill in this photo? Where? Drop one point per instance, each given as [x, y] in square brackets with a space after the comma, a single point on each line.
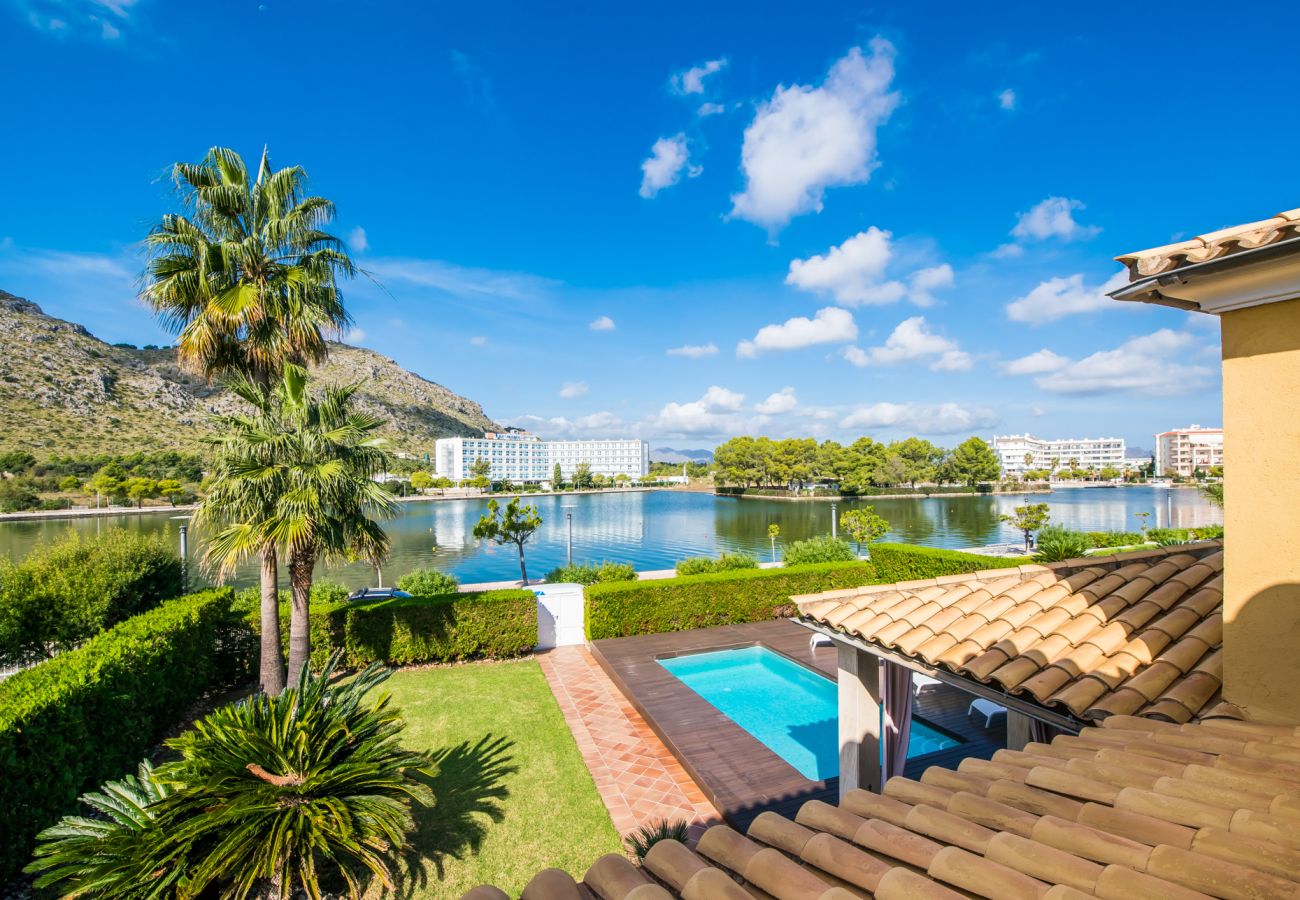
[63, 390]
[669, 455]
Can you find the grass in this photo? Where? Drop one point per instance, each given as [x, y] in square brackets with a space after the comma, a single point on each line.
[513, 793]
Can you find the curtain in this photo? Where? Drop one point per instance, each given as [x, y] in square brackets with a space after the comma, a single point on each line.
[1041, 732]
[897, 710]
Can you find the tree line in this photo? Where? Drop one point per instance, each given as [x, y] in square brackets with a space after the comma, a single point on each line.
[865, 463]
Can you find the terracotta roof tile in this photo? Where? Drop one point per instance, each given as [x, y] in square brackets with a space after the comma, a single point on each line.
[1135, 634]
[1158, 260]
[1125, 810]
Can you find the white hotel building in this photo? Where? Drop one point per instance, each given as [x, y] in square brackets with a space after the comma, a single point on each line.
[1184, 450]
[1091, 453]
[519, 456]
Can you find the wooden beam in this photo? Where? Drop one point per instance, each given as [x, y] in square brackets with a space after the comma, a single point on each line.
[1017, 730]
[859, 719]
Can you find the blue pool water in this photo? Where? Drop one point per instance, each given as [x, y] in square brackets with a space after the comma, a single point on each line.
[791, 709]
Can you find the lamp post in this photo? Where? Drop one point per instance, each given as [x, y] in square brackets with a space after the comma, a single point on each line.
[569, 516]
[185, 551]
[835, 532]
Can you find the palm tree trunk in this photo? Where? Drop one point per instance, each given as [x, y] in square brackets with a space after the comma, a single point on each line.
[271, 665]
[301, 563]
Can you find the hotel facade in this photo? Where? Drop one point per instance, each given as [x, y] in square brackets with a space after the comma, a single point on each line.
[1091, 453]
[1184, 450]
[519, 456]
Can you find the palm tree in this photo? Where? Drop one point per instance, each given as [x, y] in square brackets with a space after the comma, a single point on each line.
[248, 279]
[313, 462]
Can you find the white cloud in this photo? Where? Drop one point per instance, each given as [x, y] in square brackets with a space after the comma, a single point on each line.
[1008, 251]
[597, 424]
[1037, 363]
[460, 281]
[692, 80]
[354, 336]
[806, 139]
[358, 240]
[478, 341]
[1007, 100]
[663, 168]
[710, 109]
[939, 418]
[854, 273]
[782, 401]
[602, 323]
[1059, 297]
[912, 340]
[1053, 217]
[830, 325]
[716, 412]
[1148, 365]
[573, 389]
[694, 351]
[104, 19]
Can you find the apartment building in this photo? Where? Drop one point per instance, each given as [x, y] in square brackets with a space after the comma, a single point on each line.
[1184, 450]
[1090, 453]
[519, 456]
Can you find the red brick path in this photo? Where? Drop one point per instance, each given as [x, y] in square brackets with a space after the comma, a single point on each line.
[638, 778]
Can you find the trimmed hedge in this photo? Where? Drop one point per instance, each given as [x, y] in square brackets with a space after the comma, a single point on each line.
[904, 562]
[702, 601]
[91, 714]
[410, 630]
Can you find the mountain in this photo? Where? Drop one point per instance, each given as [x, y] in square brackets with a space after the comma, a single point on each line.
[669, 455]
[65, 391]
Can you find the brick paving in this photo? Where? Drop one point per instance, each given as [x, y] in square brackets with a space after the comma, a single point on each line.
[638, 778]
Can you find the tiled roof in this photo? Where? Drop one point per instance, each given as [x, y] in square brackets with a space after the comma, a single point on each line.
[1146, 263]
[1135, 810]
[1132, 634]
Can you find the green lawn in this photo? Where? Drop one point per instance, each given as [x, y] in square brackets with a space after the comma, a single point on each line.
[513, 793]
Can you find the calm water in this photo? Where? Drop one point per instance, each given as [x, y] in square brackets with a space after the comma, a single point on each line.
[793, 711]
[654, 529]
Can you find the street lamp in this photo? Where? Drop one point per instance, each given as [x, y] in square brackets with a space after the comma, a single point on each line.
[569, 516]
[185, 551]
[835, 533]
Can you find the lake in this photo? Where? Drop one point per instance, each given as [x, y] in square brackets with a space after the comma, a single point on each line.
[652, 530]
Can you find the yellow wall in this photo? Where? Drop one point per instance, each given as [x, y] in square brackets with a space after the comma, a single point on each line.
[1261, 427]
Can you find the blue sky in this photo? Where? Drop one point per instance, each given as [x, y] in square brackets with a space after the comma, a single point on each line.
[687, 221]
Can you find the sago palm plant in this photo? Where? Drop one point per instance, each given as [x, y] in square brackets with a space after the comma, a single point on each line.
[270, 798]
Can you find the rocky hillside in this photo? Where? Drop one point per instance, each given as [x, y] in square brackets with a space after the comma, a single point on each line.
[63, 390]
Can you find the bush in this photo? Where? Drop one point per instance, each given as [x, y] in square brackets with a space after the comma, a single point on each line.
[721, 598]
[90, 714]
[16, 495]
[590, 573]
[1056, 544]
[409, 630]
[428, 583]
[67, 591]
[727, 562]
[1168, 536]
[818, 550]
[904, 562]
[1112, 538]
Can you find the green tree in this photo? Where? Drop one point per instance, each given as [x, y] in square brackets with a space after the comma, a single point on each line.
[481, 470]
[171, 489]
[582, 476]
[773, 532]
[1213, 492]
[514, 525]
[108, 481]
[919, 457]
[421, 480]
[1142, 517]
[246, 275]
[974, 461]
[1028, 519]
[299, 474]
[140, 489]
[69, 484]
[557, 478]
[863, 525]
[15, 462]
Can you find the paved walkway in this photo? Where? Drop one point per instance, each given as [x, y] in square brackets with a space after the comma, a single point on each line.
[638, 778]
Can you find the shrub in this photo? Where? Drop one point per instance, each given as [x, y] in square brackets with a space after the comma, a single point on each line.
[645, 837]
[1112, 538]
[1168, 536]
[409, 630]
[721, 598]
[91, 713]
[428, 583]
[65, 592]
[590, 573]
[821, 549]
[904, 562]
[1056, 544]
[727, 562]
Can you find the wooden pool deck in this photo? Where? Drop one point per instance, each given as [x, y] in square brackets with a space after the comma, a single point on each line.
[740, 775]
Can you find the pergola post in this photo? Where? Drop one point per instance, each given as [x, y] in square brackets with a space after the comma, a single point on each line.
[1017, 730]
[859, 702]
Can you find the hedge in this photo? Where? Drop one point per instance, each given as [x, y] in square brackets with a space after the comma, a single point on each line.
[904, 562]
[410, 630]
[92, 713]
[702, 601]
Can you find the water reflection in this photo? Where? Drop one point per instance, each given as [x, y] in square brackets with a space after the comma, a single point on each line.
[653, 530]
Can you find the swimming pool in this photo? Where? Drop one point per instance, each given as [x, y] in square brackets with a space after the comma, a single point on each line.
[792, 710]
